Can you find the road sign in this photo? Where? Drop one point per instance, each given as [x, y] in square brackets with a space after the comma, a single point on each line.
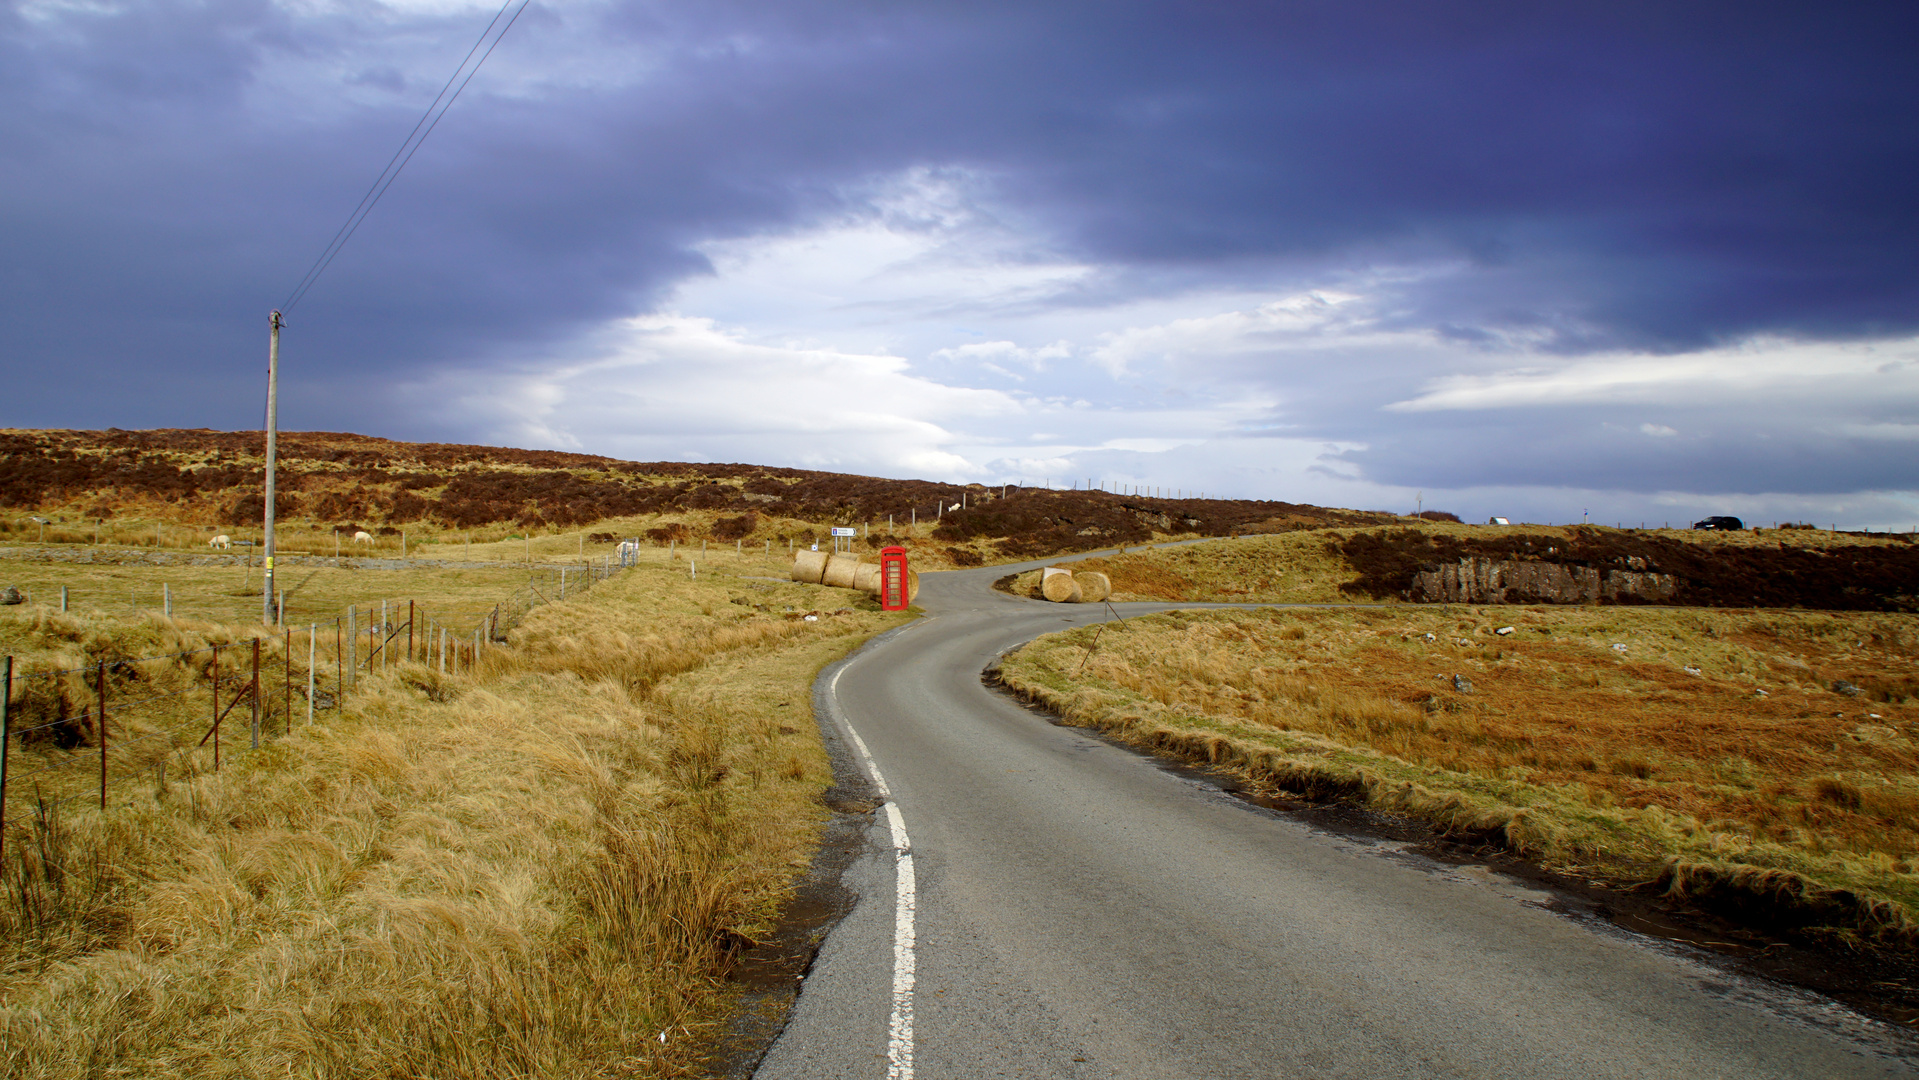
[837, 531]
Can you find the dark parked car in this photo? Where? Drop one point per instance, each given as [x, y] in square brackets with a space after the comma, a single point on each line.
[1719, 523]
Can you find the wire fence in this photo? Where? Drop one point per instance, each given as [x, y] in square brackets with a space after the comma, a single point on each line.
[88, 734]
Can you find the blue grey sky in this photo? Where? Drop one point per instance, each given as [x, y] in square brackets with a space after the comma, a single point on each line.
[1644, 261]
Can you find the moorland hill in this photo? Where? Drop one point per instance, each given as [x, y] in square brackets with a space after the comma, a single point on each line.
[331, 480]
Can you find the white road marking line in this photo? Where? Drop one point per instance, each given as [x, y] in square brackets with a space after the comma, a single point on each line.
[899, 1043]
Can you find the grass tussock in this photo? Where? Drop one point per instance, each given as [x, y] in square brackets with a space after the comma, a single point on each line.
[536, 869]
[1706, 750]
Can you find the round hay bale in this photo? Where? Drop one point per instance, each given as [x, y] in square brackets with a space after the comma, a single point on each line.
[839, 571]
[1093, 586]
[809, 566]
[866, 578]
[1059, 586]
[912, 585]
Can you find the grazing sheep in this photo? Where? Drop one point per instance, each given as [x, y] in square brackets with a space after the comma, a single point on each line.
[223, 542]
[363, 537]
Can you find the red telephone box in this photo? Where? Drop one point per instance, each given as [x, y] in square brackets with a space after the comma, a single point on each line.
[894, 593]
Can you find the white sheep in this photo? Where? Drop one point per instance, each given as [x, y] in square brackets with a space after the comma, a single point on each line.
[363, 537]
[223, 542]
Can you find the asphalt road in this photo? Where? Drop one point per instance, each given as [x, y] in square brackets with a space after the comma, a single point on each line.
[1039, 903]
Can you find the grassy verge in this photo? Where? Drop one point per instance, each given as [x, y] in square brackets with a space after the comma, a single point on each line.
[1704, 749]
[538, 869]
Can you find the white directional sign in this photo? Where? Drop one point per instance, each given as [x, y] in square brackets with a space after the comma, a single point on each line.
[837, 531]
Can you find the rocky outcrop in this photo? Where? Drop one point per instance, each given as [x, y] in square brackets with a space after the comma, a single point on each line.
[1528, 581]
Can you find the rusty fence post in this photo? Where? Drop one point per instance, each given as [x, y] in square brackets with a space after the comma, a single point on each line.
[256, 693]
[101, 685]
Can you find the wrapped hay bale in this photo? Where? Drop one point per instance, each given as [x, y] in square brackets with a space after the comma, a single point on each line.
[1057, 584]
[839, 571]
[846, 572]
[1093, 586]
[809, 566]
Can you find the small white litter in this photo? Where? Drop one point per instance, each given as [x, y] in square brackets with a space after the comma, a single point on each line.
[1690, 670]
[1618, 648]
[812, 618]
[1503, 631]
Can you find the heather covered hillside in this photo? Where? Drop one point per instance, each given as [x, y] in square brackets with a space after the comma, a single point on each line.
[331, 481]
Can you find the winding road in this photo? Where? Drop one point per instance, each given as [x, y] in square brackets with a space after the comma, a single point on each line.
[1035, 902]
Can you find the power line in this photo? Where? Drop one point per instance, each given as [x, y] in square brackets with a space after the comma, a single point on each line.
[429, 120]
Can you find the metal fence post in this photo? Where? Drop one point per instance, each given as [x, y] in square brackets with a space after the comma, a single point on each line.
[216, 708]
[289, 686]
[313, 631]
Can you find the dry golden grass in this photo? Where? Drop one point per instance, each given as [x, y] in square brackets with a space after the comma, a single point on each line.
[533, 870]
[1567, 748]
[770, 544]
[1289, 568]
[232, 593]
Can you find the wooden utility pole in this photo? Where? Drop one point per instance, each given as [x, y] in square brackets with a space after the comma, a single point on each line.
[274, 322]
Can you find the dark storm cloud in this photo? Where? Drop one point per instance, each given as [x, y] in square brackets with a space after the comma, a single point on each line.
[1654, 176]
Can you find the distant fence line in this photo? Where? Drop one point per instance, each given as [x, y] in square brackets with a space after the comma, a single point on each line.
[56, 724]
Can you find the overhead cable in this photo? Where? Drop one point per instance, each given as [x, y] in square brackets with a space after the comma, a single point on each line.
[429, 120]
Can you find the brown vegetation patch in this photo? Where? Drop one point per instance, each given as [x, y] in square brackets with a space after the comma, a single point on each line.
[1034, 524]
